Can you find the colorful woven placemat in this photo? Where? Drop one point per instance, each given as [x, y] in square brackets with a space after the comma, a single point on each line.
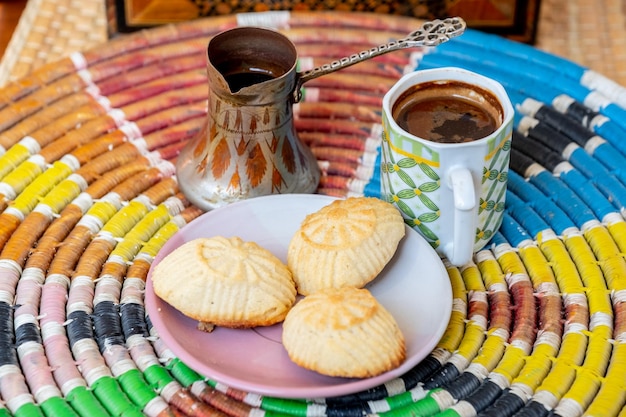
[89, 195]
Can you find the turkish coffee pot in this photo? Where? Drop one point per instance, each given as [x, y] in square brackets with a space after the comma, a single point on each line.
[249, 146]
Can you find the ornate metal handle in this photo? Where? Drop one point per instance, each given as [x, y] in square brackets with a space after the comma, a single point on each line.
[431, 33]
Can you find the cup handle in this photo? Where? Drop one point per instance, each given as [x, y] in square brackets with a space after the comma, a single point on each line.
[464, 216]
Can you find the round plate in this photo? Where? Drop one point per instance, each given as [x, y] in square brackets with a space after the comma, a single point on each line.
[414, 287]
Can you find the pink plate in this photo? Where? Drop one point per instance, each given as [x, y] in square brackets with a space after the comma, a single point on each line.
[414, 287]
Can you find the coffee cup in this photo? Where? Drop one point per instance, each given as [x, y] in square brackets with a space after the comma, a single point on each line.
[445, 157]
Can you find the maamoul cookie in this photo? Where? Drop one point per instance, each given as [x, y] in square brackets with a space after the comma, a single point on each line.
[343, 332]
[225, 282]
[346, 243]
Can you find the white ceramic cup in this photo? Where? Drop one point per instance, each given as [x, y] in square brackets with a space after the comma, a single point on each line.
[451, 193]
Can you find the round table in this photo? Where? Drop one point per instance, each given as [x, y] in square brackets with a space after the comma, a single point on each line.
[89, 195]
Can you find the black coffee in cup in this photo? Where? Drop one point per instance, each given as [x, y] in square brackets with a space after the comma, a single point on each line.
[448, 111]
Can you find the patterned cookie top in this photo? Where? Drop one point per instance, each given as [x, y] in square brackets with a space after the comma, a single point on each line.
[225, 281]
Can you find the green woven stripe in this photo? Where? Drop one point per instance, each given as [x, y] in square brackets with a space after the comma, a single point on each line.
[284, 406]
[135, 386]
[29, 410]
[85, 403]
[57, 407]
[400, 400]
[449, 412]
[183, 374]
[158, 377]
[424, 407]
[113, 398]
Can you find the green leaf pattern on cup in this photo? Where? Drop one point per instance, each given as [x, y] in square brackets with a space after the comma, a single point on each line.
[494, 189]
[402, 187]
[408, 178]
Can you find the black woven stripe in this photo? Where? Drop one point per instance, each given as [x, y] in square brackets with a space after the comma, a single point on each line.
[463, 386]
[6, 323]
[421, 371]
[446, 374]
[79, 326]
[484, 395]
[341, 404]
[542, 154]
[356, 410]
[8, 354]
[580, 113]
[27, 332]
[519, 161]
[411, 378]
[507, 405]
[565, 125]
[533, 409]
[133, 320]
[107, 324]
[549, 137]
[149, 324]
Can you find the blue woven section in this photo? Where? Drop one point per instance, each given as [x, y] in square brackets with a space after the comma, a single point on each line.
[532, 57]
[588, 193]
[521, 221]
[604, 180]
[372, 188]
[594, 188]
[551, 213]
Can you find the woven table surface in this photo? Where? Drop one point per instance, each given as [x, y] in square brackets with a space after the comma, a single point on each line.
[589, 32]
[89, 195]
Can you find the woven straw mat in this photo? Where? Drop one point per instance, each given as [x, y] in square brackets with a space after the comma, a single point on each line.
[88, 197]
[50, 30]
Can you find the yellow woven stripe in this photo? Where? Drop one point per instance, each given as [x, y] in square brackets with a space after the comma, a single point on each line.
[491, 351]
[62, 195]
[537, 366]
[512, 363]
[472, 278]
[28, 199]
[472, 341]
[511, 263]
[23, 175]
[457, 282]
[102, 210]
[13, 157]
[453, 335]
[597, 294]
[584, 388]
[157, 241]
[125, 219]
[612, 395]
[491, 272]
[614, 273]
[538, 268]
[609, 256]
[565, 271]
[563, 373]
[599, 350]
[456, 326]
[589, 376]
[141, 232]
[618, 233]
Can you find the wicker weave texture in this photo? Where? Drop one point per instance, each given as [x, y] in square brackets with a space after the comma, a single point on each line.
[50, 30]
[589, 32]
